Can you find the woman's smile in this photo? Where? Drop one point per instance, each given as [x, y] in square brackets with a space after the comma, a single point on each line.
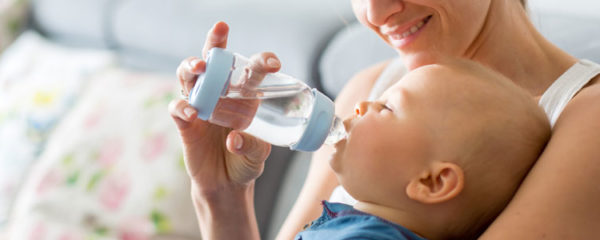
[400, 36]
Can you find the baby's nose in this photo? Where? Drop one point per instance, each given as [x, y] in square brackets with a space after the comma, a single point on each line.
[360, 108]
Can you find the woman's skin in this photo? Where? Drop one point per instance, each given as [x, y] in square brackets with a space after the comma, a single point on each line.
[221, 163]
[558, 199]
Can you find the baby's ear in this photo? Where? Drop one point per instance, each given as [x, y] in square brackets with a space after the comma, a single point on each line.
[441, 182]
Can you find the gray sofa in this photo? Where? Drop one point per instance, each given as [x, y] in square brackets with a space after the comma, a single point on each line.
[318, 41]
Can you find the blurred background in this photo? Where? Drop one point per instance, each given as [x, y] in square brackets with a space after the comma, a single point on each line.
[87, 149]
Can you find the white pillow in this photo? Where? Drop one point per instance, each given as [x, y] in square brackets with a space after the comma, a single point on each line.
[112, 169]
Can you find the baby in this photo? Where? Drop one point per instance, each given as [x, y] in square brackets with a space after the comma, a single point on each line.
[438, 156]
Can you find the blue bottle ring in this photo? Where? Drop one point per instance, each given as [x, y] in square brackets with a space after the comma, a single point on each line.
[319, 124]
[211, 85]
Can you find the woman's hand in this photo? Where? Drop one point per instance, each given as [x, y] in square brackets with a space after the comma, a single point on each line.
[221, 161]
[216, 156]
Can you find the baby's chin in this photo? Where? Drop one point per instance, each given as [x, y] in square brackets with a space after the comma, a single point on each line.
[336, 158]
[335, 162]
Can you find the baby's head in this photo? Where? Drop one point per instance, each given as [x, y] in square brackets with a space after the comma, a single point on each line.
[448, 145]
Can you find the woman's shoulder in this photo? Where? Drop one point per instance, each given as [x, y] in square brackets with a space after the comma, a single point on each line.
[583, 106]
[585, 97]
[369, 75]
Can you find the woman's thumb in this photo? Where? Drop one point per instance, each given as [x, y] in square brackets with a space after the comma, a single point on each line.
[254, 149]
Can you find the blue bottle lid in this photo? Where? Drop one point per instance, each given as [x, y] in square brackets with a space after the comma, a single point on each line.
[319, 124]
[213, 83]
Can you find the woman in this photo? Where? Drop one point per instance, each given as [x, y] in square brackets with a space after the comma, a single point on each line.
[559, 197]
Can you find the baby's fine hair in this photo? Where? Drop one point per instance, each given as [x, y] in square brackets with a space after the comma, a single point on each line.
[506, 133]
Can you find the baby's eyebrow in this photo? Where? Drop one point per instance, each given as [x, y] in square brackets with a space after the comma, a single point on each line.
[383, 102]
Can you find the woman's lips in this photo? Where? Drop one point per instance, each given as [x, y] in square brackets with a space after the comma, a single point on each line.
[402, 33]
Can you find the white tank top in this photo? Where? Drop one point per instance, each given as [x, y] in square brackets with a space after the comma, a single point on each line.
[553, 101]
[566, 86]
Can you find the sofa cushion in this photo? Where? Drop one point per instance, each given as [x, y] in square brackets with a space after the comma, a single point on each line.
[76, 23]
[156, 35]
[352, 49]
[295, 30]
[579, 35]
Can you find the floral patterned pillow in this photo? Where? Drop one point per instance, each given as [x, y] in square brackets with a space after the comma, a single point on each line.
[113, 169]
[39, 82]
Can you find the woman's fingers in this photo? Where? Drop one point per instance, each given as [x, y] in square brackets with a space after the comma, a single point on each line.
[182, 113]
[191, 67]
[188, 72]
[217, 37]
[238, 113]
[261, 64]
[254, 149]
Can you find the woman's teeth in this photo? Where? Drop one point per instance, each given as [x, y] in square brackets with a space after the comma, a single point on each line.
[412, 30]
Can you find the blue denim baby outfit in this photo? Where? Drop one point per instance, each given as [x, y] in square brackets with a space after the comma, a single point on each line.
[341, 221]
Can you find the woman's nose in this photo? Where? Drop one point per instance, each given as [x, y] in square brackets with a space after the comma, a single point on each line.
[378, 11]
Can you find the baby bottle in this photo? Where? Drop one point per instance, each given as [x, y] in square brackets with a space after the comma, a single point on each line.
[289, 113]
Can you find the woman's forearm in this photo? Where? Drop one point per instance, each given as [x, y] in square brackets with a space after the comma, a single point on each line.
[226, 214]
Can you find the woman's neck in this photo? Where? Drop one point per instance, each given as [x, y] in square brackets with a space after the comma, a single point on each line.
[510, 44]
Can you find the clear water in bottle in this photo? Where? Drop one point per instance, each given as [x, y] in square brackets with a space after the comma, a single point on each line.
[282, 118]
[290, 113]
[283, 114]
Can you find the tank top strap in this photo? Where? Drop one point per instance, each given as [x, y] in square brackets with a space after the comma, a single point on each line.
[390, 75]
[556, 97]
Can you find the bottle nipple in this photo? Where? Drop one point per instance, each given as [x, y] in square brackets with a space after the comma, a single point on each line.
[337, 132]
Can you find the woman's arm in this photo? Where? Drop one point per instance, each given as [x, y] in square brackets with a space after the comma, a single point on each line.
[560, 198]
[222, 163]
[227, 214]
[321, 180]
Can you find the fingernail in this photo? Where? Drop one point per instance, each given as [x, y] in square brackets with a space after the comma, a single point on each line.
[272, 62]
[189, 111]
[222, 38]
[238, 142]
[215, 38]
[194, 62]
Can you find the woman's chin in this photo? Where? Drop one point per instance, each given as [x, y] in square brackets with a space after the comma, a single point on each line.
[416, 60]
